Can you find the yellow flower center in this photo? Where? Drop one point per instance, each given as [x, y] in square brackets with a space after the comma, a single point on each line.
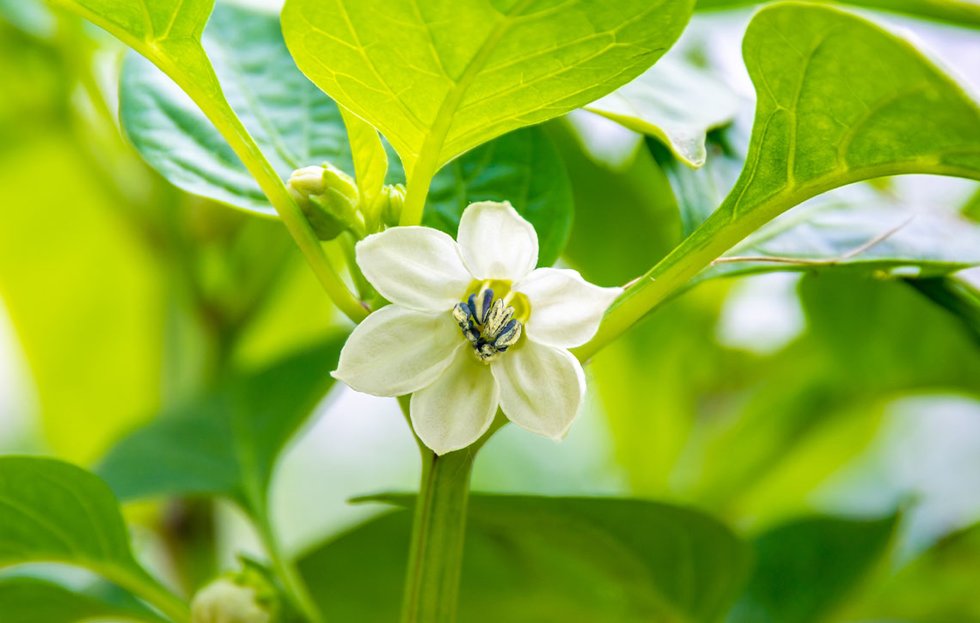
[491, 325]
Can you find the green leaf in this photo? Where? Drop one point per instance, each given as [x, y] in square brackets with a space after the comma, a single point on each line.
[957, 12]
[288, 117]
[439, 78]
[839, 101]
[675, 101]
[804, 569]
[940, 586]
[874, 237]
[55, 512]
[226, 442]
[533, 559]
[34, 600]
[522, 167]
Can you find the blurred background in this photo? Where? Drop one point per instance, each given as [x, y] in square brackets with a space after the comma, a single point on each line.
[758, 398]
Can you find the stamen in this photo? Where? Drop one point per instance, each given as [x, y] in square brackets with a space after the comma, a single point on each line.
[489, 325]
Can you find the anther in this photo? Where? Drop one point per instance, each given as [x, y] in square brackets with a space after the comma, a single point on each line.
[488, 324]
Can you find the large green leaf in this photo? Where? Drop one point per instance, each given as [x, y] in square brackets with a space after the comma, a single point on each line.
[839, 101]
[522, 167]
[874, 237]
[439, 78]
[958, 12]
[291, 121]
[547, 559]
[55, 512]
[676, 101]
[806, 568]
[34, 600]
[228, 441]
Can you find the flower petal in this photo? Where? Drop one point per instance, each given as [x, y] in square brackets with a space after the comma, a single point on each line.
[496, 242]
[458, 407]
[396, 351]
[565, 309]
[541, 387]
[416, 267]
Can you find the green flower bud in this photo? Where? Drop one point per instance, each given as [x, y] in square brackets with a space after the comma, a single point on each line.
[392, 200]
[329, 199]
[245, 597]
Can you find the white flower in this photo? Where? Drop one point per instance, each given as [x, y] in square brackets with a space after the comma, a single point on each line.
[473, 326]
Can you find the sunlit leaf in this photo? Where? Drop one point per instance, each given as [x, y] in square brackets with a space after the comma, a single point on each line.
[676, 101]
[55, 512]
[806, 568]
[439, 78]
[541, 559]
[228, 441]
[958, 12]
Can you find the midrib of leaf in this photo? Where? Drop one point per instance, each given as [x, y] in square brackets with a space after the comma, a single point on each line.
[420, 172]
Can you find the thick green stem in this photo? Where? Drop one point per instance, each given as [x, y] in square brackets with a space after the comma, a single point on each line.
[436, 555]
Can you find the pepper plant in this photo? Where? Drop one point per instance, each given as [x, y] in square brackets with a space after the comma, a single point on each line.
[420, 157]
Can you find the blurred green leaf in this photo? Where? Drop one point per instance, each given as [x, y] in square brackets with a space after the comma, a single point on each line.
[84, 297]
[437, 87]
[34, 600]
[957, 12]
[874, 237]
[533, 559]
[805, 569]
[55, 512]
[522, 167]
[291, 121]
[958, 296]
[940, 586]
[226, 442]
[675, 101]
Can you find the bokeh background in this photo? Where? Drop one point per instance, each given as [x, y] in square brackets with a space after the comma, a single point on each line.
[758, 399]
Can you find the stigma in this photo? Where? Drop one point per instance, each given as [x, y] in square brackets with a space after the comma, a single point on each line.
[488, 324]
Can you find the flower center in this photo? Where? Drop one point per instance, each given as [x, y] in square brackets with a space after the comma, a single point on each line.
[488, 324]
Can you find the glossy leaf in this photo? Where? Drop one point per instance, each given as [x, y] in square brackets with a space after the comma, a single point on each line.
[33, 600]
[55, 512]
[440, 78]
[958, 12]
[522, 167]
[226, 442]
[533, 559]
[291, 121]
[872, 237]
[806, 568]
[675, 101]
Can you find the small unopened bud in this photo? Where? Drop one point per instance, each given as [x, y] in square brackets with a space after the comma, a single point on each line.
[392, 201]
[329, 199]
[245, 597]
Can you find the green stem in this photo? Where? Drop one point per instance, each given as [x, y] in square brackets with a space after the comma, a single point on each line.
[436, 554]
[149, 590]
[286, 571]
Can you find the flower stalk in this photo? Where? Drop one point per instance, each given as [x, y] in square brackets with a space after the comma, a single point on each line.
[438, 530]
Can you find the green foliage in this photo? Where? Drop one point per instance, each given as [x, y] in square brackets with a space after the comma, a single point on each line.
[55, 512]
[804, 569]
[533, 559]
[676, 101]
[290, 120]
[958, 12]
[228, 441]
[33, 600]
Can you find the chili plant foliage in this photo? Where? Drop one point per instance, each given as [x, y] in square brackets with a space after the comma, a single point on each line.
[408, 197]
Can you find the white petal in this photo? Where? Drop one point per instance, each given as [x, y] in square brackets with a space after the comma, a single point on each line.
[496, 242]
[458, 408]
[396, 351]
[565, 309]
[541, 387]
[416, 267]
